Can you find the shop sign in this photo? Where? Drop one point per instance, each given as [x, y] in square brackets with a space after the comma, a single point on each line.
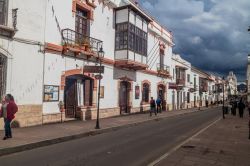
[93, 69]
[98, 77]
[137, 92]
[172, 86]
[191, 90]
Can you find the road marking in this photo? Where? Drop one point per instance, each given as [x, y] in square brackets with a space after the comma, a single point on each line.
[182, 143]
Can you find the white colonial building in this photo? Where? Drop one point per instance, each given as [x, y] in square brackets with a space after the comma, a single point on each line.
[50, 51]
[47, 46]
[232, 84]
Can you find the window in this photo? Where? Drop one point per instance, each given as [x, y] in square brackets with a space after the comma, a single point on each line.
[161, 61]
[173, 73]
[121, 41]
[188, 97]
[195, 81]
[188, 77]
[128, 36]
[145, 92]
[81, 22]
[3, 12]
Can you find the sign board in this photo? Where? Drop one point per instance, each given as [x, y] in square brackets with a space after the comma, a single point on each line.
[93, 69]
[172, 86]
[51, 93]
[137, 92]
[98, 76]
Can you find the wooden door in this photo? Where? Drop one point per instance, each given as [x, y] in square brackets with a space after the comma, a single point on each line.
[124, 97]
[194, 101]
[161, 93]
[71, 98]
[88, 92]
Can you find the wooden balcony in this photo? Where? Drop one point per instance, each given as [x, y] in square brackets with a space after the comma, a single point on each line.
[180, 81]
[129, 64]
[80, 44]
[163, 70]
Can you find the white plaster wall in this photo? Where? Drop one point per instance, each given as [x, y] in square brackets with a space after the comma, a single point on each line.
[153, 52]
[64, 15]
[110, 99]
[122, 16]
[102, 28]
[121, 54]
[54, 67]
[30, 18]
[24, 73]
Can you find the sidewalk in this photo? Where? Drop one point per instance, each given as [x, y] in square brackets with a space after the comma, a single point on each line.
[225, 143]
[37, 136]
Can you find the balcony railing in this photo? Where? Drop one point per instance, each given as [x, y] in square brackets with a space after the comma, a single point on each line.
[164, 69]
[74, 39]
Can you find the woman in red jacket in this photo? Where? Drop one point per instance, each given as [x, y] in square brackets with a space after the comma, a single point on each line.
[11, 110]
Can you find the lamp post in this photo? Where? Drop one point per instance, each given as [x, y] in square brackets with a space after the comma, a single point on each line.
[223, 107]
[100, 55]
[248, 101]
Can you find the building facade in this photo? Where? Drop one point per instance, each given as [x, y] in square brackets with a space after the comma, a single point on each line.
[232, 84]
[50, 51]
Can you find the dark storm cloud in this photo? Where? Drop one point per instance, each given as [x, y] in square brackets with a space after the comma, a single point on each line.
[211, 34]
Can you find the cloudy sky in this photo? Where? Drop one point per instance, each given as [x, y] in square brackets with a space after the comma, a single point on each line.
[211, 34]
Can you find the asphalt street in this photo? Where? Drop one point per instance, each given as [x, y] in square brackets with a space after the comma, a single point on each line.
[132, 146]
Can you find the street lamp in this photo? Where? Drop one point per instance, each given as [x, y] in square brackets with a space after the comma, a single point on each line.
[100, 56]
[223, 107]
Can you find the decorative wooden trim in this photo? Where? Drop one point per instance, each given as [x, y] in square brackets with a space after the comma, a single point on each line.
[57, 49]
[88, 6]
[53, 48]
[74, 72]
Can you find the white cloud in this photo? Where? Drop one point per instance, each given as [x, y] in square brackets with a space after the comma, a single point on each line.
[196, 40]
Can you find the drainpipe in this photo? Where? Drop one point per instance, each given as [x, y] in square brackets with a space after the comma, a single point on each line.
[44, 36]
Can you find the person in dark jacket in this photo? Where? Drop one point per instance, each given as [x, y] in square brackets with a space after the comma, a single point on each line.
[152, 106]
[159, 105]
[241, 107]
[11, 110]
[234, 107]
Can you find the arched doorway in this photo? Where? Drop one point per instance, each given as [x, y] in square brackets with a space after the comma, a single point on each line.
[124, 97]
[161, 92]
[3, 74]
[78, 92]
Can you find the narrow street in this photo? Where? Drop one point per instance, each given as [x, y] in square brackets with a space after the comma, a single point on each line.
[133, 146]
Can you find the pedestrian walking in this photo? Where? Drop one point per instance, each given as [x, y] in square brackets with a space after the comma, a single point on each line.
[9, 109]
[206, 103]
[241, 107]
[158, 105]
[234, 107]
[152, 106]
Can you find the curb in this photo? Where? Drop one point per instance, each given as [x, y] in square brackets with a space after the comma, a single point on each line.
[29, 146]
